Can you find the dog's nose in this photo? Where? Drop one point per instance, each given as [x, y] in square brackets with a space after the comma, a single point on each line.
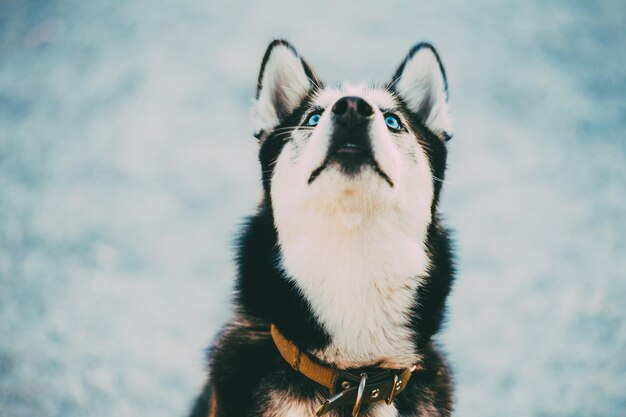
[352, 110]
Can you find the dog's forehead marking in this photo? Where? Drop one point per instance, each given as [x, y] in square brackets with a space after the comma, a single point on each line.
[379, 97]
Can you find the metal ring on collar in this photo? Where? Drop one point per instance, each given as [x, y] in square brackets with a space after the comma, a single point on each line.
[359, 395]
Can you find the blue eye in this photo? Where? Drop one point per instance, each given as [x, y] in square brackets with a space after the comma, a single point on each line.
[313, 119]
[393, 122]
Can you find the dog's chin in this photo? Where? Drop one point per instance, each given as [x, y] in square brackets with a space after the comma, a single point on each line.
[350, 193]
[352, 162]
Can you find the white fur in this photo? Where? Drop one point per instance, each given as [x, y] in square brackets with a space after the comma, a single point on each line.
[283, 77]
[354, 245]
[283, 404]
[422, 86]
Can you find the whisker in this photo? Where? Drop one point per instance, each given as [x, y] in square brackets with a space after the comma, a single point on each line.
[423, 143]
[316, 88]
[291, 128]
[395, 80]
[442, 181]
[314, 84]
[280, 129]
[283, 134]
[408, 89]
[297, 90]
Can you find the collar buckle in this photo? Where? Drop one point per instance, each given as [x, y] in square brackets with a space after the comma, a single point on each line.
[329, 404]
[365, 389]
[394, 388]
[359, 395]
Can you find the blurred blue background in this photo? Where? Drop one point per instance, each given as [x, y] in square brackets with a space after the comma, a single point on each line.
[127, 162]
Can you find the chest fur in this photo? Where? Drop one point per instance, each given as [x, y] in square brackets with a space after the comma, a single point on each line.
[361, 286]
[284, 405]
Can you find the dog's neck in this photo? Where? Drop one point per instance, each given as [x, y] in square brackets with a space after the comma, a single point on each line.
[360, 275]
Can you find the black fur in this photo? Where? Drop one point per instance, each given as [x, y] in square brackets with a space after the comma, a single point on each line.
[264, 292]
[244, 365]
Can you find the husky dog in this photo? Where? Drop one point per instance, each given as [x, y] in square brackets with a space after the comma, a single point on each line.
[344, 269]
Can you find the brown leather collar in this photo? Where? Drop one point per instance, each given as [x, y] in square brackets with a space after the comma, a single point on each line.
[346, 388]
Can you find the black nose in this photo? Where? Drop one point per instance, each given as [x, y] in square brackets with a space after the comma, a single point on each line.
[352, 110]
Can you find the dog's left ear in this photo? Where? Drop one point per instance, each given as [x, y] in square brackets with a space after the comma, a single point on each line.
[285, 80]
[421, 83]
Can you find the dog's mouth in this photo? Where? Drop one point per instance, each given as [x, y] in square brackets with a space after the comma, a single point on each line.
[351, 158]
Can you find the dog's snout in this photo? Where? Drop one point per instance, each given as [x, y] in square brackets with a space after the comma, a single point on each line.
[352, 110]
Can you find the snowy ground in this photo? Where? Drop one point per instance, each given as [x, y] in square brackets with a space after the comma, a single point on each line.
[126, 163]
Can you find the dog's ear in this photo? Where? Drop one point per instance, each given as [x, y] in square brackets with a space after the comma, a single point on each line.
[285, 80]
[421, 83]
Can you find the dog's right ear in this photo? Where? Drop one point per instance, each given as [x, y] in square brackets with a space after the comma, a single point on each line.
[284, 81]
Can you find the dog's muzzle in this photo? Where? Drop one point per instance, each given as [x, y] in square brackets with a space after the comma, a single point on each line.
[350, 144]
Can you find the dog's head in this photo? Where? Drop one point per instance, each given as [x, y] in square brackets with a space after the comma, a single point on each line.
[350, 154]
